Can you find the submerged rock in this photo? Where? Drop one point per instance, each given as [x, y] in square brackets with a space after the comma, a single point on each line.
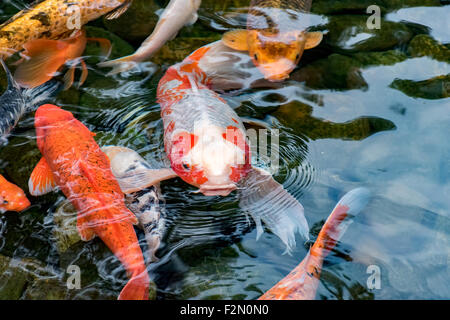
[137, 23]
[424, 45]
[65, 231]
[120, 47]
[349, 33]
[336, 71]
[434, 88]
[360, 6]
[178, 49]
[339, 6]
[343, 72]
[297, 116]
[28, 279]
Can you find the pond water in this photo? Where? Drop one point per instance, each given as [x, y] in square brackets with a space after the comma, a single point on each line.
[365, 108]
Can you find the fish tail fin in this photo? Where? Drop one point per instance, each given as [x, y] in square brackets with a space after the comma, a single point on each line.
[350, 205]
[120, 65]
[267, 201]
[43, 59]
[137, 287]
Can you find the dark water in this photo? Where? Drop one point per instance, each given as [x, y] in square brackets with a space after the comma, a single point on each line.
[366, 108]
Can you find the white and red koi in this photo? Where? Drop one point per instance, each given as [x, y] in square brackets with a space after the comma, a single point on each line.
[302, 282]
[206, 143]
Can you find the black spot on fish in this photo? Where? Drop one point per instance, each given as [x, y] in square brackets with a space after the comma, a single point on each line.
[43, 18]
[47, 34]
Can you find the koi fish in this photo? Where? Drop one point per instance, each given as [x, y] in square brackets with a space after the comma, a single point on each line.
[42, 58]
[206, 144]
[15, 102]
[12, 198]
[73, 161]
[51, 19]
[177, 14]
[145, 203]
[274, 37]
[303, 281]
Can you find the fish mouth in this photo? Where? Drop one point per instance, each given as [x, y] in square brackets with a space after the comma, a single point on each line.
[223, 190]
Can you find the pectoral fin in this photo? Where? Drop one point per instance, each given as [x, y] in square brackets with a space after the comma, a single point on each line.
[236, 39]
[45, 57]
[141, 179]
[41, 180]
[266, 200]
[119, 10]
[313, 39]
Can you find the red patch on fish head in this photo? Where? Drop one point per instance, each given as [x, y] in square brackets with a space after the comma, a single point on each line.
[242, 167]
[183, 143]
[47, 116]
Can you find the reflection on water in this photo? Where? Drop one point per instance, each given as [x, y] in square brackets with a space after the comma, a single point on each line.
[360, 110]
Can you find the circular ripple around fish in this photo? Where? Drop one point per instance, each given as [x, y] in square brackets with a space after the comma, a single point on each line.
[195, 219]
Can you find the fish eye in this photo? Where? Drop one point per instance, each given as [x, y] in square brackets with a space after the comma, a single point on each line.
[186, 166]
[255, 56]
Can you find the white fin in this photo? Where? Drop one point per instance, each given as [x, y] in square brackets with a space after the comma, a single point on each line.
[119, 10]
[138, 180]
[41, 180]
[132, 172]
[266, 200]
[353, 202]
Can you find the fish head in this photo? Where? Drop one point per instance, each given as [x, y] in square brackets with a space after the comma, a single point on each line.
[12, 198]
[49, 116]
[212, 158]
[276, 54]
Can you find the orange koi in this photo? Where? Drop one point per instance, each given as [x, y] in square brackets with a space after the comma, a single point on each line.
[274, 37]
[303, 281]
[12, 198]
[74, 162]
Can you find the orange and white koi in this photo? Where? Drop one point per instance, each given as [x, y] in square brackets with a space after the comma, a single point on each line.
[73, 161]
[12, 198]
[275, 38]
[206, 143]
[177, 14]
[303, 281]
